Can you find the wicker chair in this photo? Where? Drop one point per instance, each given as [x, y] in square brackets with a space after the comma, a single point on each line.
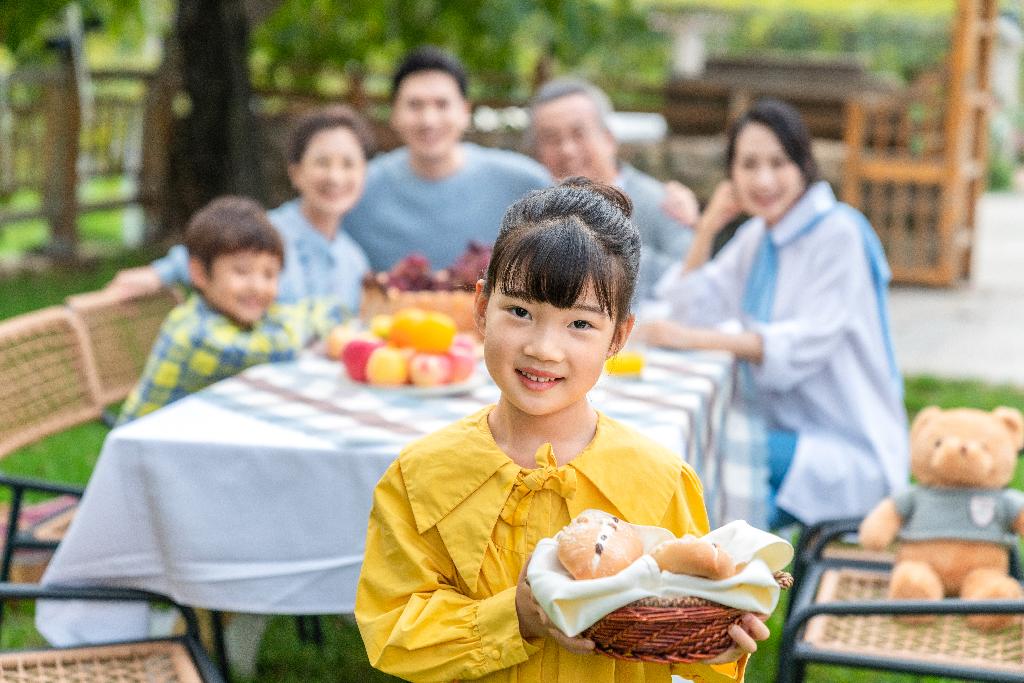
[178, 658]
[120, 333]
[47, 384]
[839, 615]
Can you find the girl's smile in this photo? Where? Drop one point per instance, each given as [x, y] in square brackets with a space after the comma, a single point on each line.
[538, 380]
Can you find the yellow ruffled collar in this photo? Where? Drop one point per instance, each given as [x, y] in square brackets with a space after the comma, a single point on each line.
[458, 480]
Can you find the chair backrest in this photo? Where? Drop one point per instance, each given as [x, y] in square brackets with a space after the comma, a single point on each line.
[47, 379]
[120, 334]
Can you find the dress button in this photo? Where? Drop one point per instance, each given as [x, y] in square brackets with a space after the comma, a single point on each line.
[495, 654]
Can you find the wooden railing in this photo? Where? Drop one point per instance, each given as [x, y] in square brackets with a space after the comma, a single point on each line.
[48, 150]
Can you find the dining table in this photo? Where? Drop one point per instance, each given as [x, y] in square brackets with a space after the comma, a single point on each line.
[253, 494]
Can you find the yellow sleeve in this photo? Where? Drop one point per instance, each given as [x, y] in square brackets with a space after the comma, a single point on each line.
[714, 673]
[413, 619]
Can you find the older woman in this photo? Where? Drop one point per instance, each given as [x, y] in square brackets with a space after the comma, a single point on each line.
[327, 153]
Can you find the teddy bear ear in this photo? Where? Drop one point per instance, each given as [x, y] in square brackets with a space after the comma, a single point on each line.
[1014, 421]
[925, 416]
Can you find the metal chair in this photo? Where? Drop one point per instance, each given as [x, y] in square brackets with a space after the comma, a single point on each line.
[176, 658]
[839, 615]
[119, 334]
[48, 383]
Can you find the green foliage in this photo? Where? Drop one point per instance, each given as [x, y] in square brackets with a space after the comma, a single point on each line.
[835, 8]
[26, 25]
[900, 46]
[21, 22]
[307, 44]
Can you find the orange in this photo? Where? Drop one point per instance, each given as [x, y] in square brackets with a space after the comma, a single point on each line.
[405, 325]
[435, 333]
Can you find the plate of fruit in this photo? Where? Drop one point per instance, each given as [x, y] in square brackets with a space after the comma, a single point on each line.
[412, 283]
[414, 351]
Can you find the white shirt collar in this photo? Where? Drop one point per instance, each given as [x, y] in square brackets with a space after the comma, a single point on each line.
[817, 199]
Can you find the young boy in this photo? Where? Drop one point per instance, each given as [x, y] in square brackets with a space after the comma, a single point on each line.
[231, 322]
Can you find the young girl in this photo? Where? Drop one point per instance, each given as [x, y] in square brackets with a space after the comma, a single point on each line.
[442, 594]
[807, 279]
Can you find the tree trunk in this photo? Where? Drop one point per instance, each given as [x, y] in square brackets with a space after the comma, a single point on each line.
[214, 148]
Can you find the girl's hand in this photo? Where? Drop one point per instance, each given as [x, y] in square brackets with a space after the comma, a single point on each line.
[723, 208]
[534, 623]
[745, 635]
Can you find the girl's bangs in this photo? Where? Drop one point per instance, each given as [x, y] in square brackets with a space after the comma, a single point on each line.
[557, 263]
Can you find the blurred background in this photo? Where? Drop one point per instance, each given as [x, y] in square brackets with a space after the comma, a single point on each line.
[118, 118]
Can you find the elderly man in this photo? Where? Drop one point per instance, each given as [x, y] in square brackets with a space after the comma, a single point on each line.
[570, 135]
[437, 192]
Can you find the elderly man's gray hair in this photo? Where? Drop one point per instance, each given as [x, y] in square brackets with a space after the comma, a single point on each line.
[558, 88]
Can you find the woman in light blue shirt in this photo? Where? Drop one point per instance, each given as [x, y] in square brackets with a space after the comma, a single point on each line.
[327, 153]
[802, 287]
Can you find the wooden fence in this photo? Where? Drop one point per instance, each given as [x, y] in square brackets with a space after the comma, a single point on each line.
[48, 150]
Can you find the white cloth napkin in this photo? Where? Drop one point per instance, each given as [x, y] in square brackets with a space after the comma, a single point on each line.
[575, 605]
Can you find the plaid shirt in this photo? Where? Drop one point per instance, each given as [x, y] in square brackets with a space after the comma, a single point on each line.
[198, 346]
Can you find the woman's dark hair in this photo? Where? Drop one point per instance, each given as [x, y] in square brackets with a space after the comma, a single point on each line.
[556, 242]
[787, 125]
[228, 225]
[327, 118]
[429, 58]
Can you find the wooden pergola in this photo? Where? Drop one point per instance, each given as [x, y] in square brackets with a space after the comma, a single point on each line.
[916, 163]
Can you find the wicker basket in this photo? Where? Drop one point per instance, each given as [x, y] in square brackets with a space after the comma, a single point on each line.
[457, 304]
[669, 630]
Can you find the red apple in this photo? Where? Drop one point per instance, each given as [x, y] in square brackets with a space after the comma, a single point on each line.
[463, 361]
[464, 340]
[430, 369]
[355, 356]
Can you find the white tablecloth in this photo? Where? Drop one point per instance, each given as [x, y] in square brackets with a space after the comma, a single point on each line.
[253, 495]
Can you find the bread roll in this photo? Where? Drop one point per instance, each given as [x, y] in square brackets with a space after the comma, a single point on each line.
[694, 556]
[596, 544]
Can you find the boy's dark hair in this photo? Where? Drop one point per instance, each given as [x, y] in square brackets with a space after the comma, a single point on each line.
[556, 242]
[327, 118]
[429, 58]
[787, 125]
[228, 225]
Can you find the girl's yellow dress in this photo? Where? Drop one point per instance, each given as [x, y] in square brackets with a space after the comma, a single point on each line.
[454, 520]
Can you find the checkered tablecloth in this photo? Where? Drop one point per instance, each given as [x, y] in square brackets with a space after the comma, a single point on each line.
[683, 402]
[253, 494]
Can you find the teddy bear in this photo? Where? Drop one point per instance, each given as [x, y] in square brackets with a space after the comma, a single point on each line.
[956, 523]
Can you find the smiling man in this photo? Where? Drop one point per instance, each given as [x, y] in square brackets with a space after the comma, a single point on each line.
[571, 136]
[436, 192]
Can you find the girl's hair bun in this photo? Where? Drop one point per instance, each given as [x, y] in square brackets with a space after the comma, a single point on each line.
[609, 192]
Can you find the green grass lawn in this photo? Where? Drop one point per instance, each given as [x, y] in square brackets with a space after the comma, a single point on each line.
[71, 455]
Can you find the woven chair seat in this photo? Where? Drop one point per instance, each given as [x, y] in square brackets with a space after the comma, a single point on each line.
[120, 333]
[47, 382]
[150, 662]
[947, 639]
[852, 552]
